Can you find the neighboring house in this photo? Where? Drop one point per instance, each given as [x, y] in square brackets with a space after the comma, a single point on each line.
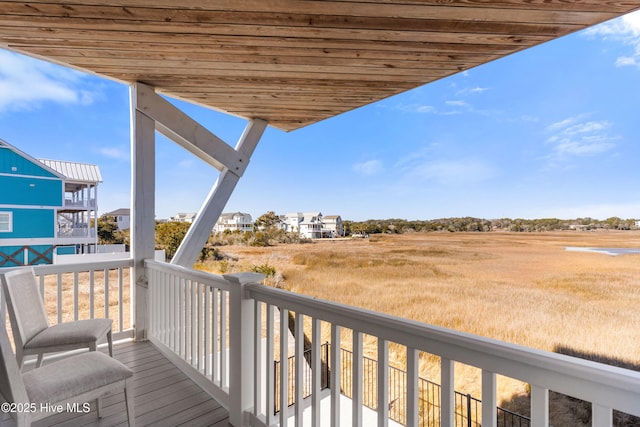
[307, 224]
[236, 221]
[578, 227]
[313, 225]
[184, 217]
[46, 207]
[332, 226]
[122, 216]
[291, 221]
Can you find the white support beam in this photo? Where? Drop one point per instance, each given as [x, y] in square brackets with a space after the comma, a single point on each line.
[143, 208]
[316, 372]
[539, 406]
[447, 390]
[489, 400]
[413, 369]
[357, 372]
[335, 374]
[300, 364]
[188, 133]
[241, 348]
[602, 416]
[383, 383]
[199, 232]
[284, 367]
[151, 112]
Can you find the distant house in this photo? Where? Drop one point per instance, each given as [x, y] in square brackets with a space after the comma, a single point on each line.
[236, 221]
[122, 216]
[332, 226]
[579, 227]
[313, 225]
[307, 224]
[184, 217]
[46, 207]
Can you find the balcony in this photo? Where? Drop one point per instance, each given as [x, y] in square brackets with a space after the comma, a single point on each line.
[79, 204]
[214, 341]
[75, 232]
[156, 378]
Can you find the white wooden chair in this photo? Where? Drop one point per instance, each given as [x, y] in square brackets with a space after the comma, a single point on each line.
[75, 380]
[32, 333]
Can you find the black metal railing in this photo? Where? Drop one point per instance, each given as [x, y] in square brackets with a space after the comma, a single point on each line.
[468, 409]
[306, 382]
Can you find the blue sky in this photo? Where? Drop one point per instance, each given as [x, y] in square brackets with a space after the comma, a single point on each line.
[553, 131]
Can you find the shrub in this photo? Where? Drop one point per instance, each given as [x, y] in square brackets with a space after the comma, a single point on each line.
[265, 268]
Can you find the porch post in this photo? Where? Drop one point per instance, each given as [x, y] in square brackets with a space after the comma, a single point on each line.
[241, 347]
[142, 209]
[193, 137]
[198, 233]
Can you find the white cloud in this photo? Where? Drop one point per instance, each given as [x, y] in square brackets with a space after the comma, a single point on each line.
[461, 104]
[624, 61]
[467, 91]
[625, 26]
[625, 29]
[562, 124]
[369, 168]
[449, 108]
[115, 153]
[450, 172]
[425, 109]
[25, 83]
[576, 136]
[590, 147]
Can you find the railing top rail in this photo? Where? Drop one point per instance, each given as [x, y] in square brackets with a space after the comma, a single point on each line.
[44, 269]
[208, 279]
[615, 387]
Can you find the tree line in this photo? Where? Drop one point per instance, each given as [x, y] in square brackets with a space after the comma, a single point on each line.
[471, 224]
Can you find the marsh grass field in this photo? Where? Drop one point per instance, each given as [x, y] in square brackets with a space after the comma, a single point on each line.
[523, 288]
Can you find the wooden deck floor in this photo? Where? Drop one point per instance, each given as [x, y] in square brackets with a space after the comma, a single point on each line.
[164, 396]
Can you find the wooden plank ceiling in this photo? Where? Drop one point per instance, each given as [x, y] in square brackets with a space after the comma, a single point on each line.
[290, 62]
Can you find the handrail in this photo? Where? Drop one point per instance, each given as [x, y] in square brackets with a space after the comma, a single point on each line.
[608, 386]
[208, 279]
[86, 286]
[191, 320]
[44, 269]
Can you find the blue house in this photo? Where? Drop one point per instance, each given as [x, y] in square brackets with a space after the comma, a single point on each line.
[47, 207]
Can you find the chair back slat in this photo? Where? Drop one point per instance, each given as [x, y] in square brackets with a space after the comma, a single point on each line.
[24, 303]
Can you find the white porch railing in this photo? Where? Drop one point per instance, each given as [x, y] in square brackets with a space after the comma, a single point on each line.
[79, 203]
[86, 291]
[77, 232]
[222, 330]
[189, 318]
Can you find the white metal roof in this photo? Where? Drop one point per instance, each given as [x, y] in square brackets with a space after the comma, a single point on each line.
[77, 172]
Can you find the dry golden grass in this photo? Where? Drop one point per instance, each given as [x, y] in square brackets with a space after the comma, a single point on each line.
[521, 288]
[84, 301]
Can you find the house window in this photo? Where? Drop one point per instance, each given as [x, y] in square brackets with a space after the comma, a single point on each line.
[6, 222]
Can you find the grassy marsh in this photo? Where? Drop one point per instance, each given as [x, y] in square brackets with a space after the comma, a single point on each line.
[523, 288]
